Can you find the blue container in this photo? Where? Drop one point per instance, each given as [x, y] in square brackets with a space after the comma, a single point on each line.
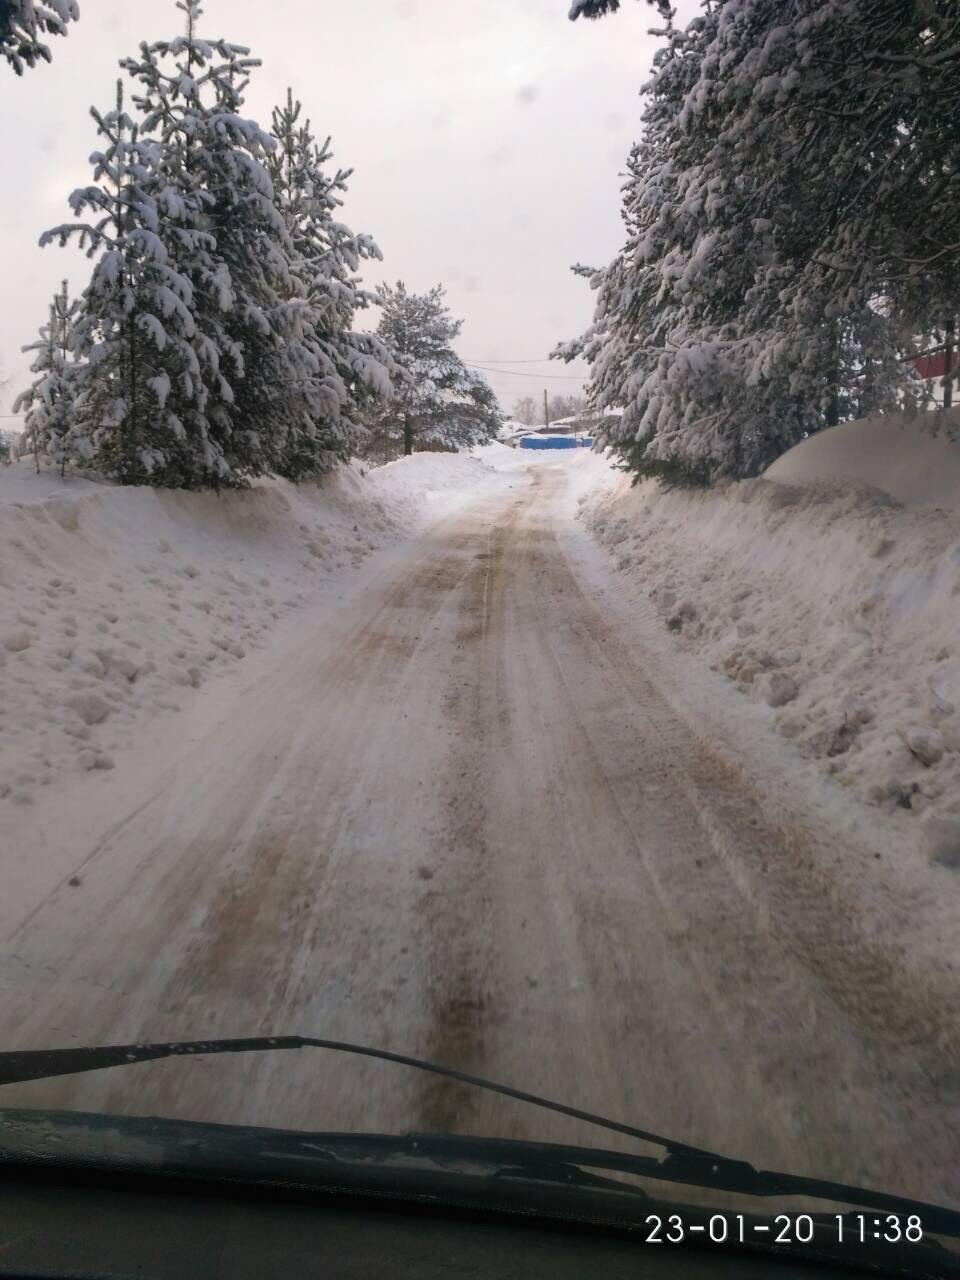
[548, 442]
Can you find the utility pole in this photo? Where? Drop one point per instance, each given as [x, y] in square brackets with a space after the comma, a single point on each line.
[546, 412]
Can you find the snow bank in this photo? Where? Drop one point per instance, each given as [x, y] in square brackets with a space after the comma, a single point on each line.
[116, 605]
[434, 483]
[832, 606]
[913, 459]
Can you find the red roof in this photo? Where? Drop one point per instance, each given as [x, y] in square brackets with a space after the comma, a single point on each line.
[934, 366]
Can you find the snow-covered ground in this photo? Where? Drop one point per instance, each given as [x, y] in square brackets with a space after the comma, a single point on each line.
[915, 460]
[467, 797]
[117, 605]
[831, 605]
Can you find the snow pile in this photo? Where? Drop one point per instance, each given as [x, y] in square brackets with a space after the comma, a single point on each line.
[436, 482]
[832, 606]
[913, 459]
[116, 604]
[510, 429]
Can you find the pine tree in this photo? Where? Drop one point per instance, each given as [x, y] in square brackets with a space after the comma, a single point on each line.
[23, 22]
[438, 402]
[791, 220]
[274, 293]
[132, 330]
[213, 342]
[336, 371]
[49, 403]
[846, 118]
[234, 251]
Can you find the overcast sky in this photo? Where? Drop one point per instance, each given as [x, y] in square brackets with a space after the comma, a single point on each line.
[487, 139]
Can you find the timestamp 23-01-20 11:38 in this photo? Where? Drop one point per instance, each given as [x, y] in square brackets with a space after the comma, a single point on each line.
[786, 1229]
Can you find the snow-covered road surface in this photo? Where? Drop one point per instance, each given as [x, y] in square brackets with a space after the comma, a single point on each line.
[455, 816]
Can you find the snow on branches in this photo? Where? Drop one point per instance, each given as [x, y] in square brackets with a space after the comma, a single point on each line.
[48, 402]
[598, 8]
[792, 229]
[213, 342]
[438, 402]
[23, 22]
[338, 372]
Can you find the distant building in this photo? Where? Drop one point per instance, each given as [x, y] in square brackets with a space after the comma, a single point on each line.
[582, 427]
[932, 369]
[564, 426]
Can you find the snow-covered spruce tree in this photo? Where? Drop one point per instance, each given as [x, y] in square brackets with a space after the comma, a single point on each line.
[212, 341]
[338, 372]
[771, 214]
[664, 344]
[845, 119]
[438, 402]
[705, 384]
[24, 22]
[49, 402]
[132, 330]
[241, 402]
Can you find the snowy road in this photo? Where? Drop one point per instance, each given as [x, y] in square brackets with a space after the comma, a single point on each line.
[458, 817]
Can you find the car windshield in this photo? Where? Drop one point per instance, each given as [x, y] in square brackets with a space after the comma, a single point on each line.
[406, 640]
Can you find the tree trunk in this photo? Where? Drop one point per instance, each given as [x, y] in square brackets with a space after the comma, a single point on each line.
[134, 414]
[63, 345]
[51, 348]
[948, 364]
[407, 435]
[833, 407]
[833, 404]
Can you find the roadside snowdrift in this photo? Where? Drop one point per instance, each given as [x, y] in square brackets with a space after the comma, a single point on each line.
[830, 604]
[912, 459]
[116, 605]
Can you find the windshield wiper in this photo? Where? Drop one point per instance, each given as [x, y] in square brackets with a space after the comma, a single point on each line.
[689, 1165]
